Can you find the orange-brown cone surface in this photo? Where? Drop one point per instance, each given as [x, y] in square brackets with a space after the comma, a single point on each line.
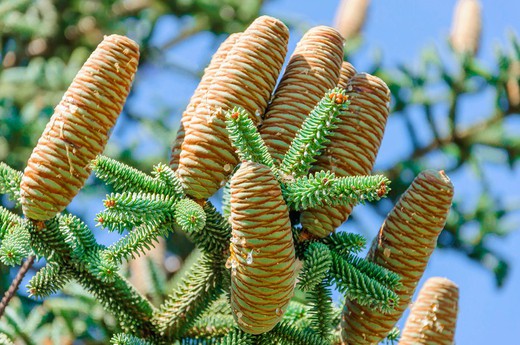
[347, 72]
[79, 128]
[404, 245]
[313, 69]
[262, 258]
[433, 315]
[353, 148]
[466, 27]
[199, 94]
[246, 78]
[351, 16]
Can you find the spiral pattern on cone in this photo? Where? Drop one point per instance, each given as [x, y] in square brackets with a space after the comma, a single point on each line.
[262, 257]
[246, 78]
[199, 94]
[404, 245]
[466, 27]
[79, 128]
[346, 73]
[313, 69]
[353, 148]
[433, 315]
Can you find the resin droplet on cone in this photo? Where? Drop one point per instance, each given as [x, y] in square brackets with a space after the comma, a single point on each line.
[404, 244]
[246, 78]
[433, 316]
[262, 257]
[313, 69]
[79, 128]
[353, 147]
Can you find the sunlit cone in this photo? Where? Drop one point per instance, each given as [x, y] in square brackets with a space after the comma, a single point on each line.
[313, 69]
[346, 73]
[466, 27]
[246, 78]
[353, 148]
[433, 315]
[513, 86]
[79, 128]
[404, 245]
[199, 94]
[262, 258]
[350, 17]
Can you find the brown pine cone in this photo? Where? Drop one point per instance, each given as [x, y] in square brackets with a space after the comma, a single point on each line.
[351, 16]
[353, 148]
[79, 128]
[262, 257]
[433, 315]
[347, 72]
[404, 245]
[466, 27]
[313, 69]
[199, 94]
[246, 78]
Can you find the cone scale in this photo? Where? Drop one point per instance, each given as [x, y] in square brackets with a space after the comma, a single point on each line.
[79, 128]
[262, 259]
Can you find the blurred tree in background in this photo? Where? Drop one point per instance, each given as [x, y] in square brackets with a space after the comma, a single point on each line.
[43, 43]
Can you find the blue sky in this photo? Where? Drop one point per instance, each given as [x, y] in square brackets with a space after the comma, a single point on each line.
[401, 29]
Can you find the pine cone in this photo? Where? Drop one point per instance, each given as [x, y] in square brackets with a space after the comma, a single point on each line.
[353, 148]
[262, 257]
[79, 128]
[347, 72]
[313, 69]
[404, 245]
[433, 316]
[466, 27]
[351, 16]
[246, 78]
[199, 94]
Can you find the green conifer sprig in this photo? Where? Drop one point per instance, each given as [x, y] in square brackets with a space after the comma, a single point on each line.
[318, 261]
[313, 135]
[358, 286]
[158, 282]
[324, 188]
[214, 238]
[393, 336]
[124, 178]
[10, 182]
[286, 334]
[48, 280]
[135, 242]
[8, 221]
[246, 139]
[344, 243]
[321, 313]
[297, 315]
[190, 216]
[15, 246]
[48, 241]
[212, 325]
[201, 286]
[165, 174]
[237, 337]
[5, 340]
[78, 235]
[127, 339]
[384, 276]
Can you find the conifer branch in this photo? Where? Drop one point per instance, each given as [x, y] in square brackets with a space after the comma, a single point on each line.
[313, 135]
[358, 286]
[245, 138]
[344, 243]
[79, 237]
[324, 188]
[237, 337]
[318, 261]
[47, 240]
[214, 238]
[212, 325]
[189, 215]
[201, 286]
[48, 280]
[166, 175]
[15, 246]
[8, 221]
[5, 340]
[127, 339]
[290, 335]
[296, 315]
[384, 276]
[10, 180]
[15, 284]
[321, 312]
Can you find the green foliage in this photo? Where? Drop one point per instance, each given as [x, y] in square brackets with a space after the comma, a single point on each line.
[318, 261]
[321, 312]
[10, 182]
[313, 135]
[214, 238]
[126, 339]
[15, 246]
[324, 188]
[49, 279]
[190, 215]
[246, 139]
[344, 243]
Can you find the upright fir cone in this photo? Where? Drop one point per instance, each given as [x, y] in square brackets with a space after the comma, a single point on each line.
[200, 93]
[350, 17]
[513, 86]
[246, 78]
[353, 148]
[466, 27]
[404, 244]
[79, 128]
[262, 257]
[346, 73]
[433, 315]
[313, 69]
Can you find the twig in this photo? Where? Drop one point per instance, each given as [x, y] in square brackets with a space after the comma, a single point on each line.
[15, 284]
[185, 34]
